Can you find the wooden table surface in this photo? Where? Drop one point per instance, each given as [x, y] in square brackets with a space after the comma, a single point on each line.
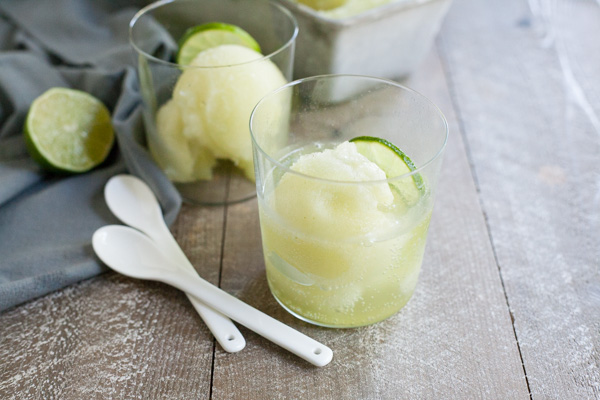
[508, 302]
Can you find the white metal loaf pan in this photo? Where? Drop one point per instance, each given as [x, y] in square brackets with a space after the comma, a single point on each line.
[388, 41]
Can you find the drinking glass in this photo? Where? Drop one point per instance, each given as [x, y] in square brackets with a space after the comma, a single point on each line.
[196, 116]
[344, 252]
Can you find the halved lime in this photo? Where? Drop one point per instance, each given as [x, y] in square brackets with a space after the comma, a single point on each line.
[394, 162]
[213, 34]
[67, 130]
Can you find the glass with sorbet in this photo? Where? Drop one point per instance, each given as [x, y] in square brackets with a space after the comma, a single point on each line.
[198, 92]
[345, 194]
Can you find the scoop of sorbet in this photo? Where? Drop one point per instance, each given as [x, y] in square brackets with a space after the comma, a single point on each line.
[207, 117]
[331, 203]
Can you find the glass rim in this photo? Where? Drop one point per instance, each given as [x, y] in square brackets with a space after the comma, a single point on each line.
[153, 6]
[297, 82]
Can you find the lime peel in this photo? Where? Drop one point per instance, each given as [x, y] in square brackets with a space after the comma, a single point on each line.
[394, 162]
[202, 37]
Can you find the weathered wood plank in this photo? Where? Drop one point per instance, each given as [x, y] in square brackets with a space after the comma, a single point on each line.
[114, 337]
[453, 340]
[109, 337]
[525, 77]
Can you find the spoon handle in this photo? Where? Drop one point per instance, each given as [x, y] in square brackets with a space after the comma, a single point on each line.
[253, 319]
[222, 328]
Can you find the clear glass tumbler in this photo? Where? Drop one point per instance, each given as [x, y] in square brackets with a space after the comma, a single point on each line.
[343, 240]
[196, 116]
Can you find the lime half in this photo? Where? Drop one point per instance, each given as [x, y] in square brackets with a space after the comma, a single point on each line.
[67, 130]
[202, 37]
[394, 162]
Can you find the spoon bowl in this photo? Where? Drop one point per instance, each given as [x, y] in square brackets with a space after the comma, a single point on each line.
[129, 251]
[132, 201]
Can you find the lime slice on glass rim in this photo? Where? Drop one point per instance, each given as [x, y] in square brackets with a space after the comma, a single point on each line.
[213, 34]
[394, 162]
[69, 131]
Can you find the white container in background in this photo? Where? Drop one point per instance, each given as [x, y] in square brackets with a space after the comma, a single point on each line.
[388, 41]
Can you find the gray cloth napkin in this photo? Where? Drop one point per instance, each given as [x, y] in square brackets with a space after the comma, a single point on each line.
[47, 221]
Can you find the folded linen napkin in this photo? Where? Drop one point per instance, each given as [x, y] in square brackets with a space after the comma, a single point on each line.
[47, 221]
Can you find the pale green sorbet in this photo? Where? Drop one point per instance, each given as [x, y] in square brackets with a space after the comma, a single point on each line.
[351, 8]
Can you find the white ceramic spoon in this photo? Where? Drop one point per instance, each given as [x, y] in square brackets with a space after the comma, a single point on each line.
[134, 203]
[132, 253]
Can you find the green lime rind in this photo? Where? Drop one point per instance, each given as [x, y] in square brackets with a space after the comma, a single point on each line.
[394, 162]
[202, 37]
[68, 131]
